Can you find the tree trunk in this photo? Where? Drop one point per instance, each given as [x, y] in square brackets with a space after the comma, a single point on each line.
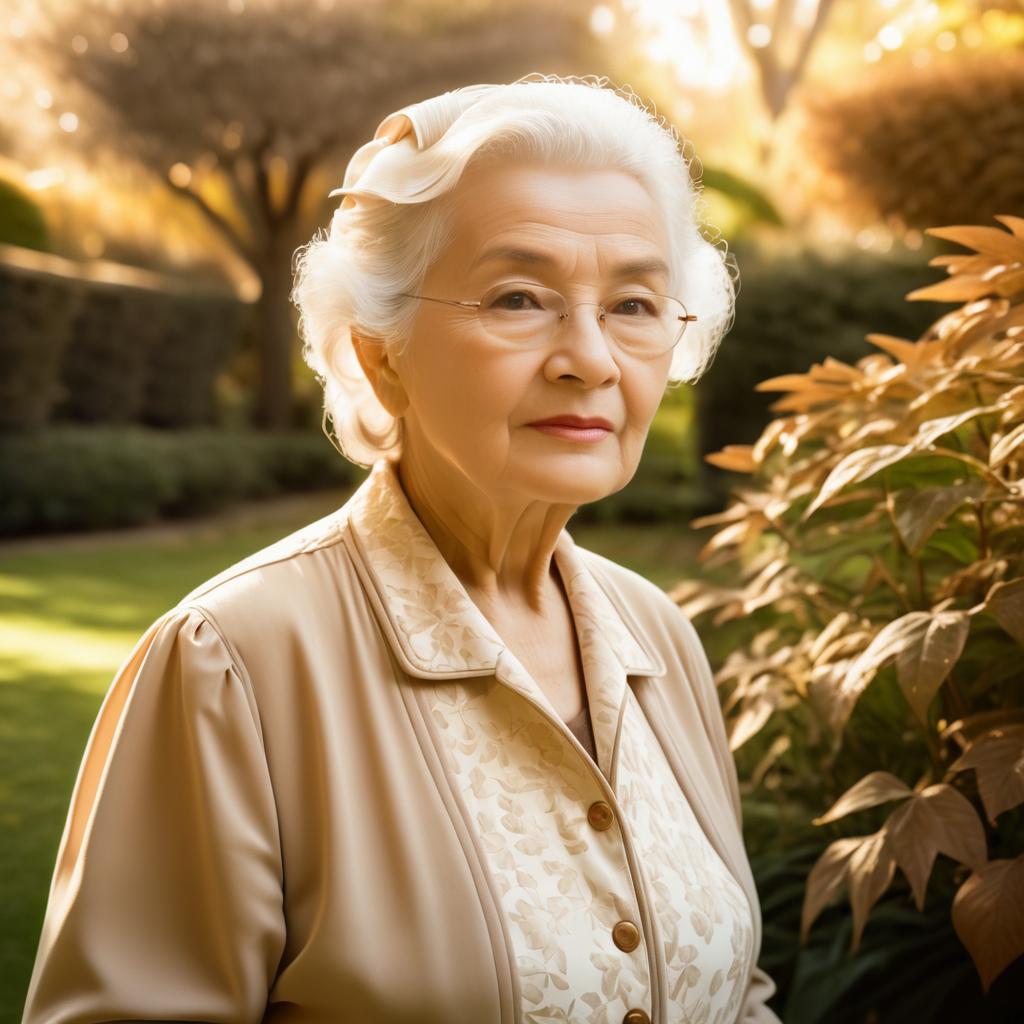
[275, 337]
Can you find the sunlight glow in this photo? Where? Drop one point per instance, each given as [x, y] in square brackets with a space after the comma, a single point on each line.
[602, 20]
[45, 177]
[180, 175]
[759, 35]
[890, 37]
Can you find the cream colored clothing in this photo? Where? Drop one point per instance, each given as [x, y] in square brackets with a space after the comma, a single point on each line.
[321, 789]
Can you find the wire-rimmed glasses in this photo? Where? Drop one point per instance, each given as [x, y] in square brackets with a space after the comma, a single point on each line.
[529, 315]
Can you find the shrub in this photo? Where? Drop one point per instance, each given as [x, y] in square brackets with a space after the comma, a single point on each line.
[792, 308]
[63, 478]
[915, 146]
[37, 309]
[21, 220]
[878, 575]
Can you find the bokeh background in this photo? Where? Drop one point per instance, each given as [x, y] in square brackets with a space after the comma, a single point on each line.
[160, 161]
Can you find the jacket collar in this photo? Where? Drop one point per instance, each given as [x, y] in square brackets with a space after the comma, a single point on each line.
[433, 626]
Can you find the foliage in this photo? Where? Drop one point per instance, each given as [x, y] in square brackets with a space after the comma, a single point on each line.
[81, 479]
[36, 312]
[791, 308]
[76, 345]
[882, 535]
[918, 146]
[910, 964]
[21, 220]
[755, 204]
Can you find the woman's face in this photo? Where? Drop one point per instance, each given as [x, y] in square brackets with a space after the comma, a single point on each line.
[471, 401]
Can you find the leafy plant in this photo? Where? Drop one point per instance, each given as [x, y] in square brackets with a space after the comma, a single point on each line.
[878, 560]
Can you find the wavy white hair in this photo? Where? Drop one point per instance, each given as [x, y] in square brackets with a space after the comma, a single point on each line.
[384, 244]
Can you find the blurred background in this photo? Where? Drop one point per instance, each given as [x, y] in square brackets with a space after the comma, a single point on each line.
[160, 161]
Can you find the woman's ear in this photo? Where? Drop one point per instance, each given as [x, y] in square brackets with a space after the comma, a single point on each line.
[373, 357]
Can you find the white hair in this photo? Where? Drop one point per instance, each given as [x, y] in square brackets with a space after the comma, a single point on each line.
[380, 248]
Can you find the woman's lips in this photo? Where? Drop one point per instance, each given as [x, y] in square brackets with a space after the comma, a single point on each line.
[588, 435]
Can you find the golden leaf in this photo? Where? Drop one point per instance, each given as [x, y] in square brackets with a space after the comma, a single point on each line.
[963, 288]
[1015, 224]
[873, 789]
[786, 382]
[726, 537]
[931, 430]
[738, 458]
[805, 398]
[1000, 245]
[917, 513]
[871, 868]
[1005, 446]
[997, 757]
[1010, 282]
[937, 820]
[855, 467]
[988, 915]
[924, 662]
[825, 880]
[759, 701]
[1005, 603]
[898, 347]
[888, 642]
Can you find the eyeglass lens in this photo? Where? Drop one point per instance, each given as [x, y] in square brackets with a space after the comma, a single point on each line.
[530, 314]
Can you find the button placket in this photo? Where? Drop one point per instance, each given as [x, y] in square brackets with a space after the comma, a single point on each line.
[514, 675]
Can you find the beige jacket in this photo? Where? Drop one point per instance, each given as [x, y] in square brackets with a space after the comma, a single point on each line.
[321, 789]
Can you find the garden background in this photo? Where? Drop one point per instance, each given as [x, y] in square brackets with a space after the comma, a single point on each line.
[851, 553]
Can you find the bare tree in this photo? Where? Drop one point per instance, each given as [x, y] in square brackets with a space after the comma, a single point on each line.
[235, 104]
[785, 32]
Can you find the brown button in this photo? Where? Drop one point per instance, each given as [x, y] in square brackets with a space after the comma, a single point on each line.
[626, 936]
[600, 815]
[636, 1017]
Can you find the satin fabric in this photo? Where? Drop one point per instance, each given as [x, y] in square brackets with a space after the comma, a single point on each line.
[281, 814]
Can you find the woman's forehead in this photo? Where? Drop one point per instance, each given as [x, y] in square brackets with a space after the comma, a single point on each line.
[524, 215]
[509, 189]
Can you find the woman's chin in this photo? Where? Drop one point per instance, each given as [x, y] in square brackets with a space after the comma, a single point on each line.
[572, 481]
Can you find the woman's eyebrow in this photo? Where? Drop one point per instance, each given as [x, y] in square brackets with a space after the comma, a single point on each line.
[531, 257]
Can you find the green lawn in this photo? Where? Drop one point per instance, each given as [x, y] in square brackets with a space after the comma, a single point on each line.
[70, 614]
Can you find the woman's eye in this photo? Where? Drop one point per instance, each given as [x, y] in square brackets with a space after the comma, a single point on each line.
[635, 306]
[515, 301]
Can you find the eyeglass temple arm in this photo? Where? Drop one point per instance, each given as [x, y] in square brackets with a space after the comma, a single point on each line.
[448, 302]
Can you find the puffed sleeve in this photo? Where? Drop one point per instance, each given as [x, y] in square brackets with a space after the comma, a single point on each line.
[761, 986]
[166, 898]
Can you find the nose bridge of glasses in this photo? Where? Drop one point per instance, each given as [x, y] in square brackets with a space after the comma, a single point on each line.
[564, 309]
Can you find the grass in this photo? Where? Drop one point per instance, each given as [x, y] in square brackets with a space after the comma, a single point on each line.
[70, 612]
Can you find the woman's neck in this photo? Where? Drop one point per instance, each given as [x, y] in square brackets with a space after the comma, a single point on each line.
[500, 546]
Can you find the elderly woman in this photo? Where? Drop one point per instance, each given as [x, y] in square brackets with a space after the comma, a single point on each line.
[426, 760]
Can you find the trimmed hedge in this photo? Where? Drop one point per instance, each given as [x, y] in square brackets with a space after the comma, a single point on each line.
[37, 310]
[89, 478]
[97, 342]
